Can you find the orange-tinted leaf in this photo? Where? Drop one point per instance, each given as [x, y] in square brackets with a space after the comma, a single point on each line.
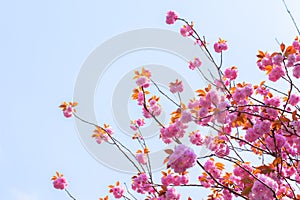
[74, 104]
[63, 105]
[164, 173]
[270, 94]
[289, 50]
[247, 180]
[247, 190]
[146, 73]
[135, 93]
[146, 150]
[201, 93]
[137, 74]
[166, 160]
[219, 165]
[260, 54]
[282, 47]
[277, 161]
[164, 188]
[208, 88]
[268, 69]
[175, 115]
[105, 198]
[168, 151]
[264, 169]
[294, 115]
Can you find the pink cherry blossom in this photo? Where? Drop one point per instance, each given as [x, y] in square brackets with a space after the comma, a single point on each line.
[296, 71]
[59, 181]
[220, 46]
[172, 194]
[167, 180]
[291, 60]
[294, 99]
[205, 102]
[141, 184]
[222, 150]
[251, 135]
[153, 109]
[185, 117]
[172, 16]
[213, 97]
[231, 73]
[243, 170]
[203, 112]
[101, 134]
[260, 192]
[143, 82]
[210, 167]
[176, 86]
[142, 158]
[140, 122]
[239, 95]
[186, 30]
[200, 43]
[276, 142]
[260, 128]
[140, 98]
[271, 113]
[195, 63]
[182, 158]
[262, 91]
[277, 59]
[296, 45]
[133, 127]
[68, 108]
[68, 112]
[274, 101]
[117, 190]
[135, 124]
[196, 138]
[175, 130]
[276, 74]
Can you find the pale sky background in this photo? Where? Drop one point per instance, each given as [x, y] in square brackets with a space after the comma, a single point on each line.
[43, 45]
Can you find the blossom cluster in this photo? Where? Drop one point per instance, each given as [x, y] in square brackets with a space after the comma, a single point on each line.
[251, 121]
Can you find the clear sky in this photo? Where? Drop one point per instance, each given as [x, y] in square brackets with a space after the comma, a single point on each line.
[43, 45]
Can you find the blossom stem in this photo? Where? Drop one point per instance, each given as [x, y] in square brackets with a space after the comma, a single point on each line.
[69, 194]
[115, 141]
[218, 183]
[178, 105]
[129, 192]
[291, 16]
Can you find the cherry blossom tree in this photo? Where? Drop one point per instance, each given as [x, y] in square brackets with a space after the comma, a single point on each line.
[253, 119]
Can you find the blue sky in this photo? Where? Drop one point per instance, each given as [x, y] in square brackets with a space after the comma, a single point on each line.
[44, 44]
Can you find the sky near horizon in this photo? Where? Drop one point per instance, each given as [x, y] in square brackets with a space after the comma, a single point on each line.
[45, 43]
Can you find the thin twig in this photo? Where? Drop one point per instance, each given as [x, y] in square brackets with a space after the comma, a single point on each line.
[291, 16]
[69, 194]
